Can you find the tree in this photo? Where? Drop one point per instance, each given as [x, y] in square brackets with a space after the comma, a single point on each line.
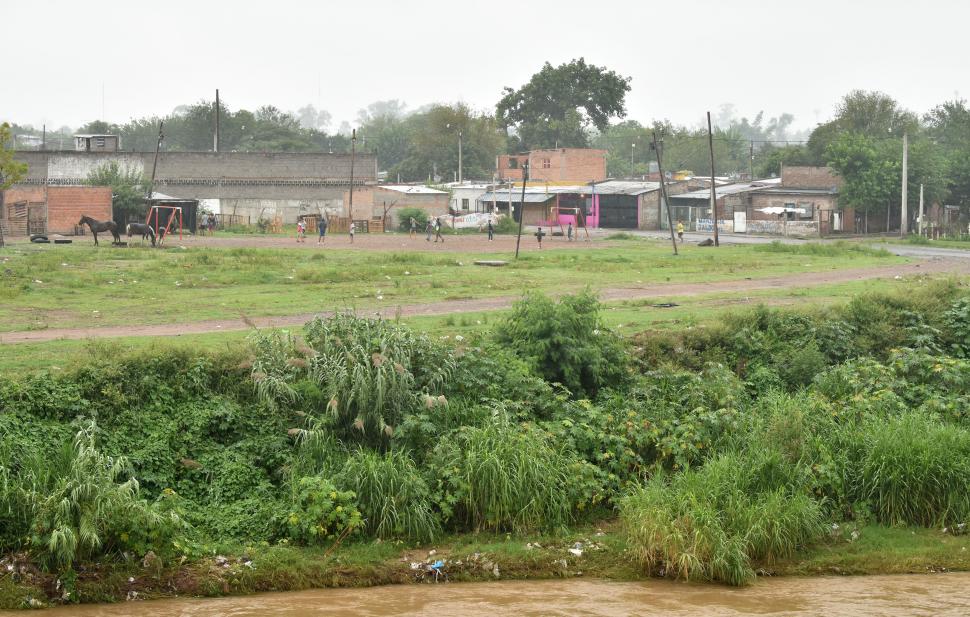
[11, 171]
[432, 143]
[949, 127]
[874, 114]
[128, 188]
[560, 103]
[770, 159]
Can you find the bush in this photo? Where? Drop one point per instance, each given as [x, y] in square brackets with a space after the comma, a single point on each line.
[503, 477]
[320, 513]
[566, 342]
[391, 494]
[373, 374]
[404, 216]
[917, 472]
[90, 506]
[713, 522]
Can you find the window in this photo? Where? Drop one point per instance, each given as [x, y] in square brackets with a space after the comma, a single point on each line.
[99, 142]
[546, 163]
[513, 163]
[464, 204]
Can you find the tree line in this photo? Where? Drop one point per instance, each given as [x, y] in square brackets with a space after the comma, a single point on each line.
[577, 104]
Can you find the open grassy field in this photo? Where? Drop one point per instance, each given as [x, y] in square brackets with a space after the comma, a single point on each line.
[81, 286]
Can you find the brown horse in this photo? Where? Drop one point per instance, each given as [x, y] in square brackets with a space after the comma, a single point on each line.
[96, 226]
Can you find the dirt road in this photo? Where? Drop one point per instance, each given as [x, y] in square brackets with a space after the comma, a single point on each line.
[930, 266]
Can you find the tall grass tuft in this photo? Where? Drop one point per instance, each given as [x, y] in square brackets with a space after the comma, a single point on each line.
[391, 494]
[712, 523]
[503, 476]
[917, 471]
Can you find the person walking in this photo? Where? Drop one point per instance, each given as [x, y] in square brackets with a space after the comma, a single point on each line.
[205, 223]
[539, 235]
[569, 232]
[413, 224]
[321, 229]
[428, 230]
[353, 230]
[491, 230]
[437, 230]
[212, 224]
[300, 231]
[680, 231]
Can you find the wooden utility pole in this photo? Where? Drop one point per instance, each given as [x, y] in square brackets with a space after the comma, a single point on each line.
[215, 136]
[904, 216]
[525, 178]
[751, 160]
[710, 143]
[353, 157]
[158, 146]
[663, 191]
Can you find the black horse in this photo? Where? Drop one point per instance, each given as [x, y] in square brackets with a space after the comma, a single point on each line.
[96, 226]
[145, 230]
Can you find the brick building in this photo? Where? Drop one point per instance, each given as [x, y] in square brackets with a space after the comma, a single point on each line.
[808, 198]
[371, 202]
[575, 165]
[52, 209]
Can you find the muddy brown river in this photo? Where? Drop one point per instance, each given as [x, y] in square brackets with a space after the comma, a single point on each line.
[938, 594]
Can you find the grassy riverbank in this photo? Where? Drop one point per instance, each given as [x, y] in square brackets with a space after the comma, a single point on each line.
[602, 553]
[769, 440]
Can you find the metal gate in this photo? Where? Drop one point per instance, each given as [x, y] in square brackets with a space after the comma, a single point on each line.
[618, 211]
[36, 218]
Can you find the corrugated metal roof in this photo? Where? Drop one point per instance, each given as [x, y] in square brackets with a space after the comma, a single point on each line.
[530, 198]
[413, 189]
[625, 187]
[721, 191]
[781, 190]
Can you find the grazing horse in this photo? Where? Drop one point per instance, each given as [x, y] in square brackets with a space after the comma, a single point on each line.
[96, 226]
[143, 229]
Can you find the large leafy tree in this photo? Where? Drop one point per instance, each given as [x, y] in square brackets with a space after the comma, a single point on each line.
[560, 103]
[868, 175]
[874, 114]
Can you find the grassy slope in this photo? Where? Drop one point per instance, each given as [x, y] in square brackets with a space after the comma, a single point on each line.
[77, 286]
[878, 550]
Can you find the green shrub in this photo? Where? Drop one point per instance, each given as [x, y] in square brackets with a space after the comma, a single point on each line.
[374, 374]
[956, 328]
[917, 472]
[320, 513]
[799, 366]
[88, 505]
[506, 225]
[503, 476]
[711, 523]
[404, 216]
[566, 342]
[391, 494]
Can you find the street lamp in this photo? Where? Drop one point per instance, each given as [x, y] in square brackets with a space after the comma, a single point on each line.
[633, 149]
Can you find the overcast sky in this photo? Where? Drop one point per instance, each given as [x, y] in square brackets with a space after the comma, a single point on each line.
[684, 57]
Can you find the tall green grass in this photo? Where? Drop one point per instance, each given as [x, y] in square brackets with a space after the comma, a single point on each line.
[820, 249]
[917, 471]
[391, 494]
[714, 522]
[503, 476]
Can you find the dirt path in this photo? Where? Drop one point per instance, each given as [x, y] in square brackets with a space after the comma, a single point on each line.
[656, 291]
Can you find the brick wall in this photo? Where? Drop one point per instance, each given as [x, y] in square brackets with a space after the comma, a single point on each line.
[809, 177]
[67, 204]
[579, 165]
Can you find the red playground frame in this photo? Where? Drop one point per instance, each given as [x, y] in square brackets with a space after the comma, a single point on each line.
[173, 210]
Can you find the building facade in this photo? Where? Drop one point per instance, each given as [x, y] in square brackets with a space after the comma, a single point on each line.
[569, 165]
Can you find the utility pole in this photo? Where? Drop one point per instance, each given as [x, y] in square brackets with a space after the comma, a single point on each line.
[158, 146]
[459, 157]
[43, 139]
[525, 178]
[751, 160]
[353, 157]
[903, 215]
[921, 209]
[215, 136]
[710, 142]
[633, 149]
[663, 191]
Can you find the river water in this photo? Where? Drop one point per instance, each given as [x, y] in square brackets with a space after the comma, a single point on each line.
[907, 595]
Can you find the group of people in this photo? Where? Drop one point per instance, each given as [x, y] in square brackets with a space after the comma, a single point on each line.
[322, 224]
[207, 224]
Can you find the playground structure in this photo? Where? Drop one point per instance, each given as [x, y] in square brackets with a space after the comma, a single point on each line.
[174, 213]
[574, 215]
